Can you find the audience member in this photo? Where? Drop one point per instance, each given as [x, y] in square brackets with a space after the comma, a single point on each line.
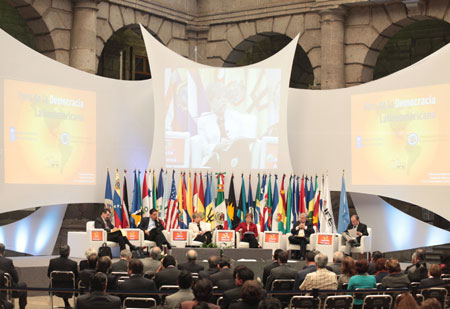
[85, 276]
[405, 301]
[309, 268]
[152, 263]
[322, 278]
[104, 266]
[7, 266]
[167, 273]
[252, 294]
[213, 261]
[375, 256]
[395, 278]
[380, 269]
[97, 298]
[431, 303]
[122, 264]
[241, 274]
[191, 264]
[283, 271]
[336, 267]
[419, 268]
[270, 303]
[224, 273]
[348, 271]
[268, 268]
[202, 294]
[137, 282]
[184, 293]
[434, 277]
[83, 264]
[362, 280]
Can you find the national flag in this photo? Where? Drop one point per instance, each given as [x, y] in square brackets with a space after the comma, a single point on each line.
[145, 197]
[315, 220]
[117, 202]
[201, 199]
[154, 189]
[294, 200]
[302, 199]
[289, 206]
[231, 206]
[125, 208]
[268, 206]
[136, 210]
[221, 208]
[250, 205]
[276, 205]
[242, 207]
[213, 188]
[166, 197]
[148, 177]
[108, 194]
[327, 224]
[209, 207]
[282, 209]
[160, 194]
[263, 203]
[258, 201]
[195, 195]
[172, 209]
[182, 215]
[344, 215]
[185, 204]
[189, 206]
[311, 200]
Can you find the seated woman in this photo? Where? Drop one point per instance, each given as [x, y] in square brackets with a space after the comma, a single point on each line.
[249, 231]
[201, 231]
[361, 280]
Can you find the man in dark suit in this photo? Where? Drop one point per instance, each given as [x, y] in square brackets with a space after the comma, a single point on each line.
[361, 230]
[137, 282]
[114, 234]
[301, 231]
[271, 266]
[283, 271]
[85, 275]
[63, 263]
[153, 228]
[213, 261]
[97, 298]
[168, 273]
[224, 272]
[434, 277]
[122, 264]
[7, 266]
[191, 264]
[309, 268]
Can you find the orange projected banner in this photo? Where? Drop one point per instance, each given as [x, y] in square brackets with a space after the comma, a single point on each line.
[97, 235]
[179, 235]
[271, 238]
[224, 236]
[324, 239]
[401, 137]
[49, 134]
[133, 234]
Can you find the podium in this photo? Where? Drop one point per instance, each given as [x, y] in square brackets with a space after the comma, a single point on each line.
[327, 243]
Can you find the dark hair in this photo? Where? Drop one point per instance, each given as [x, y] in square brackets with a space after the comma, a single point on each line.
[106, 210]
[168, 260]
[201, 305]
[203, 290]
[283, 257]
[380, 265]
[376, 255]
[153, 210]
[92, 261]
[348, 266]
[393, 266]
[420, 255]
[104, 264]
[243, 273]
[405, 301]
[251, 292]
[64, 251]
[185, 279]
[213, 260]
[431, 303]
[135, 266]
[275, 254]
[270, 303]
[435, 270]
[310, 255]
[224, 262]
[98, 282]
[2, 248]
[362, 266]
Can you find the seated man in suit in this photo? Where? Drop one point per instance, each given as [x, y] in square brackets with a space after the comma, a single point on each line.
[122, 264]
[85, 275]
[309, 268]
[153, 228]
[418, 269]
[322, 278]
[97, 297]
[184, 293]
[336, 267]
[152, 263]
[63, 263]
[301, 231]
[83, 264]
[434, 277]
[190, 265]
[137, 282]
[271, 266]
[224, 275]
[7, 266]
[213, 261]
[361, 230]
[201, 231]
[114, 234]
[283, 271]
[167, 273]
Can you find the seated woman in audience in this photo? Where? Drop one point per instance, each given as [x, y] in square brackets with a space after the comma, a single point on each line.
[201, 231]
[361, 280]
[270, 303]
[396, 278]
[249, 231]
[406, 301]
[251, 296]
[380, 269]
[348, 271]
[202, 294]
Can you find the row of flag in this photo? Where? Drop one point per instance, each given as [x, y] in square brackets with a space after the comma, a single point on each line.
[274, 208]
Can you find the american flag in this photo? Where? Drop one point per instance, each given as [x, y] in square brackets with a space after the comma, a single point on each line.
[172, 208]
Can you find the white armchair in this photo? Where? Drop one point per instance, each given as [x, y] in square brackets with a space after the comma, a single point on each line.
[226, 237]
[365, 244]
[245, 245]
[191, 242]
[310, 246]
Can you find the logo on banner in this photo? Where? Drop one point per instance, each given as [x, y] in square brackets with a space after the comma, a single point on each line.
[324, 239]
[272, 238]
[179, 235]
[225, 236]
[97, 235]
[133, 235]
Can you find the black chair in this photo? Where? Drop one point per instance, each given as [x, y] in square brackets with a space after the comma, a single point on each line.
[439, 293]
[169, 288]
[8, 283]
[283, 285]
[62, 280]
[339, 302]
[415, 285]
[303, 302]
[219, 301]
[195, 277]
[136, 302]
[121, 279]
[377, 301]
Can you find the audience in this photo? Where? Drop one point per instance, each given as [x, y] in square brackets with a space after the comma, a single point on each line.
[63, 263]
[419, 268]
[322, 278]
[241, 274]
[136, 282]
[283, 271]
[84, 263]
[97, 298]
[213, 261]
[85, 276]
[184, 293]
[7, 266]
[104, 266]
[395, 278]
[270, 303]
[361, 280]
[224, 273]
[348, 271]
[336, 267]
[445, 264]
[405, 301]
[380, 269]
[375, 256]
[268, 268]
[309, 268]
[431, 303]
[122, 264]
[152, 264]
[167, 273]
[202, 296]
[434, 277]
[191, 264]
[252, 294]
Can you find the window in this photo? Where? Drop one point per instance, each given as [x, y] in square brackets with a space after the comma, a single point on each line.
[141, 68]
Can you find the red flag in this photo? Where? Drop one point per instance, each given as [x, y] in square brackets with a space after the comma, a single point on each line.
[302, 206]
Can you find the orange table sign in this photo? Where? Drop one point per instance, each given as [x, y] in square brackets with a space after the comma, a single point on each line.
[324, 239]
[97, 235]
[179, 235]
[272, 238]
[133, 235]
[225, 236]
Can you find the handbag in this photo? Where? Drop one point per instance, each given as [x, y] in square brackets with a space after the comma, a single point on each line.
[104, 250]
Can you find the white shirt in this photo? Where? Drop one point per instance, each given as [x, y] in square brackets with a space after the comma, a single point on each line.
[151, 224]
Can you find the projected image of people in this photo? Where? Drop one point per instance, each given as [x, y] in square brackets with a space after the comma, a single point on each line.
[222, 118]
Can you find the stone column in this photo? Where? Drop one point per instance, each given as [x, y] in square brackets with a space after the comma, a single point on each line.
[83, 35]
[332, 48]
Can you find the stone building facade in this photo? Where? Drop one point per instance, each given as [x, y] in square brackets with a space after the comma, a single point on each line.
[341, 39]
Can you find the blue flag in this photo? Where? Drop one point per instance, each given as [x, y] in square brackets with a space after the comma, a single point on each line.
[108, 194]
[136, 205]
[344, 215]
[251, 207]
